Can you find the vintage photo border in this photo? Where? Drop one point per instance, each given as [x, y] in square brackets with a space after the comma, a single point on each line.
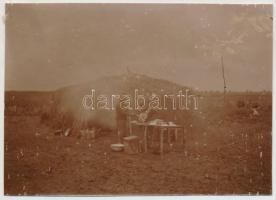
[2, 84]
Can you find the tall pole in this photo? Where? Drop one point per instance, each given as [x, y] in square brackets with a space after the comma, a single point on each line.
[224, 81]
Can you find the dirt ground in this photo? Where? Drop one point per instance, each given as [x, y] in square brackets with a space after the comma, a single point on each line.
[219, 158]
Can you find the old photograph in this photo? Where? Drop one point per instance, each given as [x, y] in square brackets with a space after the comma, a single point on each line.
[138, 99]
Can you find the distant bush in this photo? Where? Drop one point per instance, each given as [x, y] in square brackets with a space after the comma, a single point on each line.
[62, 120]
[240, 104]
[45, 117]
[255, 105]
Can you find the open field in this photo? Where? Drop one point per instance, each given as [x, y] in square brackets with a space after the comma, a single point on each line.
[227, 151]
[83, 78]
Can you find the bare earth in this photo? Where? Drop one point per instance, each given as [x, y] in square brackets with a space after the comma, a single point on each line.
[218, 158]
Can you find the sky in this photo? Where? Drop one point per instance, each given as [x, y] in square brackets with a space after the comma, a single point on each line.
[51, 46]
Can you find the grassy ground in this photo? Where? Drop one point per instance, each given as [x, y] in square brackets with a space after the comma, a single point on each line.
[231, 156]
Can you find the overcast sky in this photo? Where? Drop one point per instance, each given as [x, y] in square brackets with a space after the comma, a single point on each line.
[51, 46]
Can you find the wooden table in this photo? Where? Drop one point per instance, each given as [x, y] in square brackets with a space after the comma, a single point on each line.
[162, 129]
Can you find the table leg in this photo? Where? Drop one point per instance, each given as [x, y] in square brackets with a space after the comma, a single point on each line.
[175, 134]
[130, 129]
[169, 138]
[146, 139]
[183, 137]
[152, 136]
[161, 142]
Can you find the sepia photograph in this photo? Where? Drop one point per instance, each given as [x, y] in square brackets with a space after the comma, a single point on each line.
[138, 99]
